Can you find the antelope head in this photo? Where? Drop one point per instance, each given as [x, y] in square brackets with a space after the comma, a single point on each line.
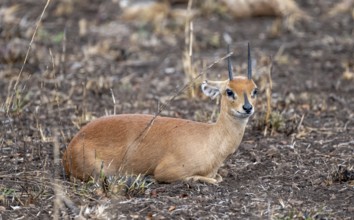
[238, 93]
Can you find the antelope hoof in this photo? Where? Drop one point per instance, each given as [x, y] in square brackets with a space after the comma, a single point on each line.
[218, 178]
[202, 179]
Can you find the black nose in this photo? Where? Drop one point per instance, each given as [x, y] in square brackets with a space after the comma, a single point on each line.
[247, 107]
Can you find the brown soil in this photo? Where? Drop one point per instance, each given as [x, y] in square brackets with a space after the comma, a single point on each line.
[300, 168]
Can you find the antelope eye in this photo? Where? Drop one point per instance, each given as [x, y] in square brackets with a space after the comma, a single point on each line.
[254, 93]
[230, 93]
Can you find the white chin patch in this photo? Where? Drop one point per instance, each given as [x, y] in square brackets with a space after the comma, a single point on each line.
[242, 114]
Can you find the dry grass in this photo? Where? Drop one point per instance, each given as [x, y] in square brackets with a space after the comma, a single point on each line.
[244, 9]
[146, 12]
[190, 69]
[293, 173]
[342, 7]
[269, 99]
[157, 12]
[13, 100]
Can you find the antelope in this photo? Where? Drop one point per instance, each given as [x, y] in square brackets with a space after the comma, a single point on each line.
[169, 149]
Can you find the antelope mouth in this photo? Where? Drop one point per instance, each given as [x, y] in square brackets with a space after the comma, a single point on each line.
[239, 114]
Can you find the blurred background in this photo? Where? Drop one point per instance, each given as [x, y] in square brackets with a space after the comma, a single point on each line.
[64, 63]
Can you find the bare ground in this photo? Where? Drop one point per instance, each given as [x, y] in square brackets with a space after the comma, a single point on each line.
[297, 166]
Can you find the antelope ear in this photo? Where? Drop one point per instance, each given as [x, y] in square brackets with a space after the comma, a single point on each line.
[210, 91]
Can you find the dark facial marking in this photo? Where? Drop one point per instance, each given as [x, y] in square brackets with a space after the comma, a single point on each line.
[254, 93]
[247, 106]
[230, 93]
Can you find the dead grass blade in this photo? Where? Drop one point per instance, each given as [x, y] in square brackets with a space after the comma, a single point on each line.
[341, 7]
[188, 67]
[10, 97]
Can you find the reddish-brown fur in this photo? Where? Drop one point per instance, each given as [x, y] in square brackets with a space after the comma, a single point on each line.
[170, 149]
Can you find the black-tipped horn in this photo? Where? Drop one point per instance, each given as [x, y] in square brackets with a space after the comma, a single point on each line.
[249, 63]
[229, 63]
